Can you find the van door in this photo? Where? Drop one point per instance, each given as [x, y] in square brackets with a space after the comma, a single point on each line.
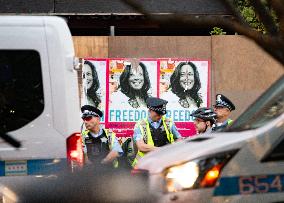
[26, 111]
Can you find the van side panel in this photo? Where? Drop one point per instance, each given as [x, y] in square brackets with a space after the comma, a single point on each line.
[45, 136]
[64, 85]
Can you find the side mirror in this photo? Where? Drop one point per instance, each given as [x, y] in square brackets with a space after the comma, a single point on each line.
[78, 63]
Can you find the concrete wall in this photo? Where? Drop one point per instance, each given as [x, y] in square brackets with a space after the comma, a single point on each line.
[158, 47]
[240, 69]
[89, 47]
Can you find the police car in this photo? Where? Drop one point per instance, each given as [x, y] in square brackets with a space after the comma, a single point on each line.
[243, 164]
[39, 98]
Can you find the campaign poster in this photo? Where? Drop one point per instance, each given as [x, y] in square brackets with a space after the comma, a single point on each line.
[130, 83]
[94, 84]
[184, 83]
[119, 87]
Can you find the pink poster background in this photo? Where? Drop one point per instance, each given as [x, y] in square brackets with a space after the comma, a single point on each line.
[120, 117]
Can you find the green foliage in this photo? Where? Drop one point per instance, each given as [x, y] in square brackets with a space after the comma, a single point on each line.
[217, 31]
[247, 12]
[249, 15]
[251, 18]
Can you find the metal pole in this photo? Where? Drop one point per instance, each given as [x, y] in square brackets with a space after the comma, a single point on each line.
[112, 30]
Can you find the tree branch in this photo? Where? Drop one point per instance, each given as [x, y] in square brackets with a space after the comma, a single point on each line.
[264, 16]
[271, 44]
[229, 4]
[278, 7]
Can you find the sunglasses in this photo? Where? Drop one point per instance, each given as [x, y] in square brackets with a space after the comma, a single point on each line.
[87, 118]
[199, 120]
[219, 107]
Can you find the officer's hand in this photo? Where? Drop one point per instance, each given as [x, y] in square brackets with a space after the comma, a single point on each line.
[104, 161]
[179, 139]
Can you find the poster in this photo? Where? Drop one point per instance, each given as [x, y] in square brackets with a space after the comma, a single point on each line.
[126, 83]
[94, 84]
[185, 85]
[131, 82]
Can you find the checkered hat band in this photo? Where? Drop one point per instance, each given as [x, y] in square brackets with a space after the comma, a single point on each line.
[89, 113]
[207, 116]
[158, 109]
[224, 104]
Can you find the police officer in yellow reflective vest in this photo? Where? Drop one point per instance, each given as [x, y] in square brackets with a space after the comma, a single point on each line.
[100, 145]
[223, 109]
[154, 131]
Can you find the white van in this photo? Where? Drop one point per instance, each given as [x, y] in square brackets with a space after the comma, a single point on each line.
[243, 164]
[39, 97]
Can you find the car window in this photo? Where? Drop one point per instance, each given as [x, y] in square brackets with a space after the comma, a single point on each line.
[266, 108]
[199, 139]
[277, 153]
[21, 89]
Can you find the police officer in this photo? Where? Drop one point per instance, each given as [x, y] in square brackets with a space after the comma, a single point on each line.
[100, 145]
[154, 131]
[204, 118]
[223, 109]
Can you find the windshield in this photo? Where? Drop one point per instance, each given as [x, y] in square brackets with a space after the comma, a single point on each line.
[266, 108]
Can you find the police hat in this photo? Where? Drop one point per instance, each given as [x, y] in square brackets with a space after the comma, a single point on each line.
[156, 104]
[223, 101]
[205, 113]
[88, 110]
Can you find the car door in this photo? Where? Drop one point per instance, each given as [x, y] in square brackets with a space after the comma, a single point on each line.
[256, 172]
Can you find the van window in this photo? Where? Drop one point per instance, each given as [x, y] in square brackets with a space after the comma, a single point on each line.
[268, 107]
[21, 89]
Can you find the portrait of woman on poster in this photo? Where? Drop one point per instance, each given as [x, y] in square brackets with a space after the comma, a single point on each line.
[91, 84]
[185, 83]
[135, 84]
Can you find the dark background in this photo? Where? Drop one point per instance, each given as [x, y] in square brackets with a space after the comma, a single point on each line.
[94, 17]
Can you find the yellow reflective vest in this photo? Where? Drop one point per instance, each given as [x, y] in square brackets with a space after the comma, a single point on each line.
[144, 127]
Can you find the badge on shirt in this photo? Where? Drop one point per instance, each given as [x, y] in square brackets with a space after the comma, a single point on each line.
[219, 98]
[88, 140]
[104, 140]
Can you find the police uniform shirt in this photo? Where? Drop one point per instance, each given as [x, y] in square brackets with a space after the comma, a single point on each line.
[220, 125]
[116, 146]
[209, 130]
[138, 136]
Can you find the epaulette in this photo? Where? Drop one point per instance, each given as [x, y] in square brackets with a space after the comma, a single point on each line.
[143, 122]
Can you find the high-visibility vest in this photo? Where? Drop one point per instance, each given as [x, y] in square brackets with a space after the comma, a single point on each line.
[224, 125]
[229, 122]
[144, 127]
[110, 136]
